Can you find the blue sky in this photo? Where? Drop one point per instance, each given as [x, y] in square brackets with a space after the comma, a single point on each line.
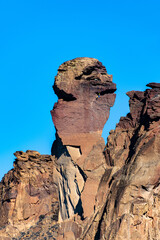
[37, 36]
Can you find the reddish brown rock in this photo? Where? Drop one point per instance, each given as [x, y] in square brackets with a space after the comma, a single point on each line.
[85, 93]
[77, 85]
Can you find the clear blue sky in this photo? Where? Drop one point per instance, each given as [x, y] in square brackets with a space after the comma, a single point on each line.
[37, 36]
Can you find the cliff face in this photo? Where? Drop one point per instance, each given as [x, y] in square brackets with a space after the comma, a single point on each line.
[131, 193]
[86, 190]
[86, 93]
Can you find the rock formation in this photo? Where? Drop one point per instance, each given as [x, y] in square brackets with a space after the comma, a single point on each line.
[86, 93]
[86, 190]
[27, 192]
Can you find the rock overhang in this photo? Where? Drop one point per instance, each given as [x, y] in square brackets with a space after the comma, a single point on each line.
[82, 73]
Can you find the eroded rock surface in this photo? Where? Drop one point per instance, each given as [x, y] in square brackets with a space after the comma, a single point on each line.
[27, 192]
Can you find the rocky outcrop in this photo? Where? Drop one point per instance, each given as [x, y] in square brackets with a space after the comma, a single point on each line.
[38, 193]
[86, 190]
[86, 93]
[27, 192]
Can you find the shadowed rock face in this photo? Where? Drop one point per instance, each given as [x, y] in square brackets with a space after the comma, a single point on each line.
[85, 93]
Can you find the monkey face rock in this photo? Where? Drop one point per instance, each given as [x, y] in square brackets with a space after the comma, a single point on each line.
[85, 93]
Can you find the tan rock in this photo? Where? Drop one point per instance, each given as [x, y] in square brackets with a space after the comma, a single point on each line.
[88, 197]
[69, 236]
[27, 192]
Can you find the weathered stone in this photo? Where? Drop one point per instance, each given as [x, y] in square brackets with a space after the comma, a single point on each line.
[27, 192]
[88, 196]
[85, 93]
[153, 85]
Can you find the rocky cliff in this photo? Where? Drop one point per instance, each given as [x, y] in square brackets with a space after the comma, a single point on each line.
[27, 192]
[130, 191]
[84, 189]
